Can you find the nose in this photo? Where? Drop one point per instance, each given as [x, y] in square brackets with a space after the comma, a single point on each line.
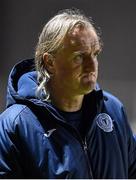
[90, 64]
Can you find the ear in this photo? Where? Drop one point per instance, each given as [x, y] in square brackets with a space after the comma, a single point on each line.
[49, 62]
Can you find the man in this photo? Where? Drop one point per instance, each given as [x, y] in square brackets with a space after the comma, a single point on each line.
[58, 122]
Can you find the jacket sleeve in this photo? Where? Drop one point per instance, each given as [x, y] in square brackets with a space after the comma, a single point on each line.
[131, 140]
[9, 153]
[116, 108]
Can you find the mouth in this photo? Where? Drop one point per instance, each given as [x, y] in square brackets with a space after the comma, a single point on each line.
[91, 74]
[89, 77]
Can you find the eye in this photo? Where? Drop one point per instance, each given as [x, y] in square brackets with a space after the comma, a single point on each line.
[78, 59]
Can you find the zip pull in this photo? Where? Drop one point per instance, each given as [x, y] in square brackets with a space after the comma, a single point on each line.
[85, 146]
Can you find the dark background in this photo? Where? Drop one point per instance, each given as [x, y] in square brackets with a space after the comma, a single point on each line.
[21, 22]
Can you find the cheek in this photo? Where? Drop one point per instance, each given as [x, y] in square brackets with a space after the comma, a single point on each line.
[64, 73]
[67, 71]
[72, 70]
[61, 69]
[77, 72]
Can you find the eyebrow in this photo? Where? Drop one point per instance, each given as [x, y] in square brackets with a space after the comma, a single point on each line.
[86, 52]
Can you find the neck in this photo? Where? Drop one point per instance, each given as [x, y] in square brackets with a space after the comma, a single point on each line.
[64, 100]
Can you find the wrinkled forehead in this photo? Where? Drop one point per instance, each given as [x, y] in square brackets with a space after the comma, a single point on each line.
[82, 37]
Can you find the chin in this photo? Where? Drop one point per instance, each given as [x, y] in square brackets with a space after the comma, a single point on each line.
[88, 89]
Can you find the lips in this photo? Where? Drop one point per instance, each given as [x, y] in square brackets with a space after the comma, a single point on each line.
[89, 77]
[90, 74]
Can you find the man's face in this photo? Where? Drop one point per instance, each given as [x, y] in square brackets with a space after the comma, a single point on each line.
[76, 65]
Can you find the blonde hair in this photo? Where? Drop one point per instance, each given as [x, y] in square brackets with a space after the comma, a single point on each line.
[51, 40]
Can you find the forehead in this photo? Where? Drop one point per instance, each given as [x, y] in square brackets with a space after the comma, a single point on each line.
[81, 38]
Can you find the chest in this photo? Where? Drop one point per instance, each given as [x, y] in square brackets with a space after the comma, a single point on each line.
[61, 153]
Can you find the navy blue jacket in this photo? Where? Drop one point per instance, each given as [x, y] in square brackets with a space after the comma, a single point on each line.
[37, 142]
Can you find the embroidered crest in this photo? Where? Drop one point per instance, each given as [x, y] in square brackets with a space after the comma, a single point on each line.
[105, 122]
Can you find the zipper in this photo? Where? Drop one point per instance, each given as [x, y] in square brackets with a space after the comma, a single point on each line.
[85, 147]
[83, 143]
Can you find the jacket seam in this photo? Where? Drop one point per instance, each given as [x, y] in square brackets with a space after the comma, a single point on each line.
[19, 114]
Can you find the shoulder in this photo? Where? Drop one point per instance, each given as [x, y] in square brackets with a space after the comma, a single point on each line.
[12, 112]
[110, 98]
[114, 106]
[116, 110]
[112, 101]
[15, 115]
